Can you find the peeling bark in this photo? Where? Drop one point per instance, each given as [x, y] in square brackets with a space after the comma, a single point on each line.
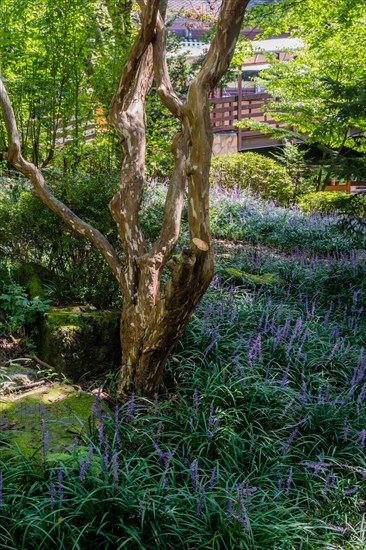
[154, 319]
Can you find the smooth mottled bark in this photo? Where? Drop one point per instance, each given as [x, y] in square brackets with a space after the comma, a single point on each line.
[153, 319]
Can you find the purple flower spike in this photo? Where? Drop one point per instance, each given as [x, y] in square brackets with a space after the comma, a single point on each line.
[211, 433]
[361, 436]
[328, 484]
[82, 470]
[241, 518]
[52, 489]
[288, 406]
[44, 450]
[249, 490]
[289, 441]
[255, 352]
[101, 434]
[214, 338]
[196, 400]
[194, 474]
[115, 467]
[280, 484]
[351, 491]
[361, 396]
[131, 406]
[59, 484]
[200, 501]
[289, 481]
[165, 456]
[96, 409]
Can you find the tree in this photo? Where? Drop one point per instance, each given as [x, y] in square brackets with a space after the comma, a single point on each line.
[58, 78]
[153, 316]
[320, 92]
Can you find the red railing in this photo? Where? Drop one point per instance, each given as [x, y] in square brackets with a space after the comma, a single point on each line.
[351, 187]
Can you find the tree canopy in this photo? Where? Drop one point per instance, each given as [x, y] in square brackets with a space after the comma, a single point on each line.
[61, 61]
[320, 92]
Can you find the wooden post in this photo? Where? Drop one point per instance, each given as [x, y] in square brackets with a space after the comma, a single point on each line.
[240, 98]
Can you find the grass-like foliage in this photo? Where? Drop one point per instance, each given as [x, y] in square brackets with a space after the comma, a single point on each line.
[258, 444]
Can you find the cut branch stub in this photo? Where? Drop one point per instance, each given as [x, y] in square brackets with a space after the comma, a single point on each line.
[200, 244]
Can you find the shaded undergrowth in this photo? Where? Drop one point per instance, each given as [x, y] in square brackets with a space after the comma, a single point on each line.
[260, 445]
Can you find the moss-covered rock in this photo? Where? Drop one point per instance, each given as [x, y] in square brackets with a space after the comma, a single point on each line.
[33, 276]
[241, 277]
[78, 342]
[49, 415]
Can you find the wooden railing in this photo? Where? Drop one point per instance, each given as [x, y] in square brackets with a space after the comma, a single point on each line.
[226, 111]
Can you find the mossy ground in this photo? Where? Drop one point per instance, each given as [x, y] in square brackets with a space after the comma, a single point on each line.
[60, 406]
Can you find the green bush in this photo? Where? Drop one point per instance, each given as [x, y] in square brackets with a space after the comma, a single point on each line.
[30, 233]
[261, 175]
[17, 309]
[324, 202]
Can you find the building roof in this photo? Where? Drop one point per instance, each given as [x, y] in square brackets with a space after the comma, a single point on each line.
[205, 5]
[195, 48]
[276, 44]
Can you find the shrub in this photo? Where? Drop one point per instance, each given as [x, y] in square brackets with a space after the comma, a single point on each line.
[30, 233]
[353, 214]
[263, 176]
[17, 309]
[323, 202]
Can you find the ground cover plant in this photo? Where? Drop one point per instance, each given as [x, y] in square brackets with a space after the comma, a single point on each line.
[237, 215]
[259, 440]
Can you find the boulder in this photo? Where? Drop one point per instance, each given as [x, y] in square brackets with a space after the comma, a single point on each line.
[80, 343]
[33, 277]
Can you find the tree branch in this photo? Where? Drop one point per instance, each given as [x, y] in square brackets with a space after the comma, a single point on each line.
[222, 47]
[43, 193]
[163, 84]
[124, 94]
[127, 114]
[196, 112]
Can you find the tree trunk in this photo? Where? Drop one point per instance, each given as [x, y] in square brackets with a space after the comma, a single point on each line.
[148, 339]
